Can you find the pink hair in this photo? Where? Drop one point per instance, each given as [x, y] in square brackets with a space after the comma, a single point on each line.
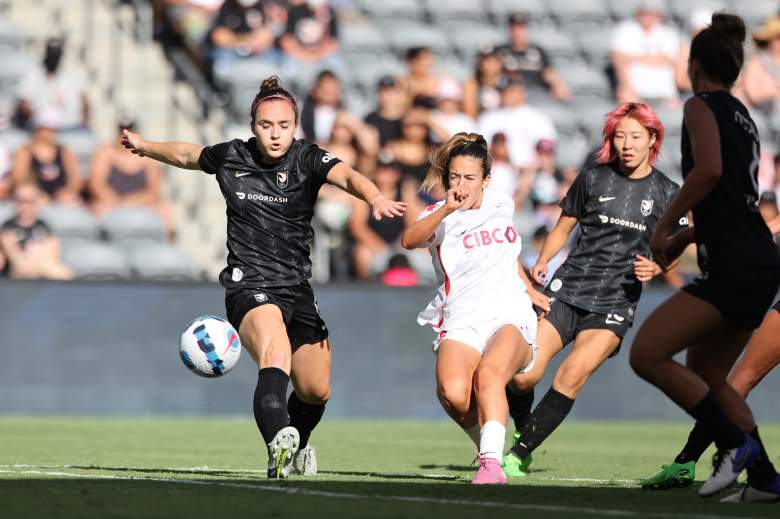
[645, 116]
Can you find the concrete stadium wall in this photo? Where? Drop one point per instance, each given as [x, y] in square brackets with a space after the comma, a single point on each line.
[112, 349]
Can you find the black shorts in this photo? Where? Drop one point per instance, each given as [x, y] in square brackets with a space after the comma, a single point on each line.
[569, 320]
[742, 297]
[298, 306]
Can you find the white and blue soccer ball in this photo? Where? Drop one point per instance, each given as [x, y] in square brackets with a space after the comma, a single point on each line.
[210, 346]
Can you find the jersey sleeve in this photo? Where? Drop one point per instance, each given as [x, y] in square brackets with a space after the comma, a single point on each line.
[317, 163]
[573, 204]
[212, 157]
[438, 235]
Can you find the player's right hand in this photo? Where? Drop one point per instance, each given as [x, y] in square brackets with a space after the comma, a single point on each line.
[539, 273]
[133, 142]
[456, 198]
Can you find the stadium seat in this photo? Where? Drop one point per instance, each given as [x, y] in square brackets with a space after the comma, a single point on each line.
[558, 44]
[71, 222]
[161, 262]
[13, 67]
[7, 211]
[754, 12]
[96, 261]
[585, 81]
[575, 11]
[133, 223]
[501, 9]
[11, 138]
[407, 9]
[11, 39]
[562, 117]
[479, 36]
[622, 9]
[572, 151]
[372, 70]
[418, 35]
[597, 46]
[591, 118]
[455, 68]
[83, 144]
[364, 38]
[671, 117]
[462, 10]
[681, 9]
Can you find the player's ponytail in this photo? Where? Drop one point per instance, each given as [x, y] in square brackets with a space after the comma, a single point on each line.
[718, 49]
[271, 88]
[468, 144]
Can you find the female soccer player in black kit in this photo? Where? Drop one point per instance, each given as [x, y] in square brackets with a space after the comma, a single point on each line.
[270, 183]
[713, 317]
[617, 205]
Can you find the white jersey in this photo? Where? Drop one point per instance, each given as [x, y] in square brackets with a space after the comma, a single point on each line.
[475, 255]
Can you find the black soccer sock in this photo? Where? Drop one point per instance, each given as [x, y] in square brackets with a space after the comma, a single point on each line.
[547, 416]
[725, 434]
[761, 471]
[304, 417]
[698, 441]
[519, 406]
[270, 403]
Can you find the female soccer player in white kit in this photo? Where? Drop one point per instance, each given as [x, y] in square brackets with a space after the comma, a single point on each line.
[483, 310]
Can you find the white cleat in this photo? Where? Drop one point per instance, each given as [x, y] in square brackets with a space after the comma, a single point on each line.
[727, 466]
[305, 461]
[750, 494]
[281, 452]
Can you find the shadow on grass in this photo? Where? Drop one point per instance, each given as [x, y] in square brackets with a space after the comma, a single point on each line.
[92, 496]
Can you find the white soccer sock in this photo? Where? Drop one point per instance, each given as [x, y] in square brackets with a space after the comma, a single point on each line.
[473, 433]
[491, 440]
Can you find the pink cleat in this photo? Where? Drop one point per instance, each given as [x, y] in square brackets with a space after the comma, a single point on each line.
[489, 472]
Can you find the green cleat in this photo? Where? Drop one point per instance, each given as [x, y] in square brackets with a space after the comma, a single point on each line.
[675, 475]
[513, 466]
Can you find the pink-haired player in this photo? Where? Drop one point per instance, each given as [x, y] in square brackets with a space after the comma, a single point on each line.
[617, 205]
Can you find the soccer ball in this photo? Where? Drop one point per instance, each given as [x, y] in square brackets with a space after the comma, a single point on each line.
[209, 346]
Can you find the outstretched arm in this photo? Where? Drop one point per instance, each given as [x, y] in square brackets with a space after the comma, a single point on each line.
[349, 180]
[179, 154]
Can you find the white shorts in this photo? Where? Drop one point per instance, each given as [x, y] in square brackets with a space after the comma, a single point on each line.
[478, 333]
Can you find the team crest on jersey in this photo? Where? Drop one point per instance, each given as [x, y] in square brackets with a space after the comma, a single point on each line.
[647, 207]
[281, 179]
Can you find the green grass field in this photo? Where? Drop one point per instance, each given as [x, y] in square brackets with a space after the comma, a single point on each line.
[214, 468]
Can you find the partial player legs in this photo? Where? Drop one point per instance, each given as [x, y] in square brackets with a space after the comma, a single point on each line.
[455, 366]
[264, 336]
[761, 356]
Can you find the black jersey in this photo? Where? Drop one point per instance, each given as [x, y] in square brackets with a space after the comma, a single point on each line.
[617, 216]
[730, 233]
[269, 210]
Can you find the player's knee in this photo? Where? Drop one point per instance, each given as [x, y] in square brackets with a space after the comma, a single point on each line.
[641, 362]
[455, 394]
[318, 395]
[488, 378]
[570, 379]
[523, 383]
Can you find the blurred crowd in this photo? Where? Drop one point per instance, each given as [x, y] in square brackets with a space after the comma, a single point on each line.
[507, 97]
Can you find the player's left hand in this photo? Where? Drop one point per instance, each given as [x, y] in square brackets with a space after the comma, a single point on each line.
[644, 268]
[658, 243]
[540, 301]
[381, 207]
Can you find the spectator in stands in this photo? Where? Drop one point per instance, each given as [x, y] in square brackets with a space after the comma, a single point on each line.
[192, 20]
[504, 177]
[377, 241]
[5, 172]
[321, 107]
[311, 36]
[391, 106]
[399, 272]
[761, 78]
[53, 167]
[421, 83]
[698, 20]
[483, 91]
[55, 89]
[413, 149]
[122, 179]
[28, 249]
[354, 142]
[240, 31]
[644, 50]
[523, 125]
[448, 112]
[529, 62]
[767, 205]
[545, 186]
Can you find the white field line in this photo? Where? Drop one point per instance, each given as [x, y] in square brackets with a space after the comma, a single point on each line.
[599, 512]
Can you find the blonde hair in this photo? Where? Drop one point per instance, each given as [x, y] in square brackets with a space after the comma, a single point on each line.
[468, 144]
